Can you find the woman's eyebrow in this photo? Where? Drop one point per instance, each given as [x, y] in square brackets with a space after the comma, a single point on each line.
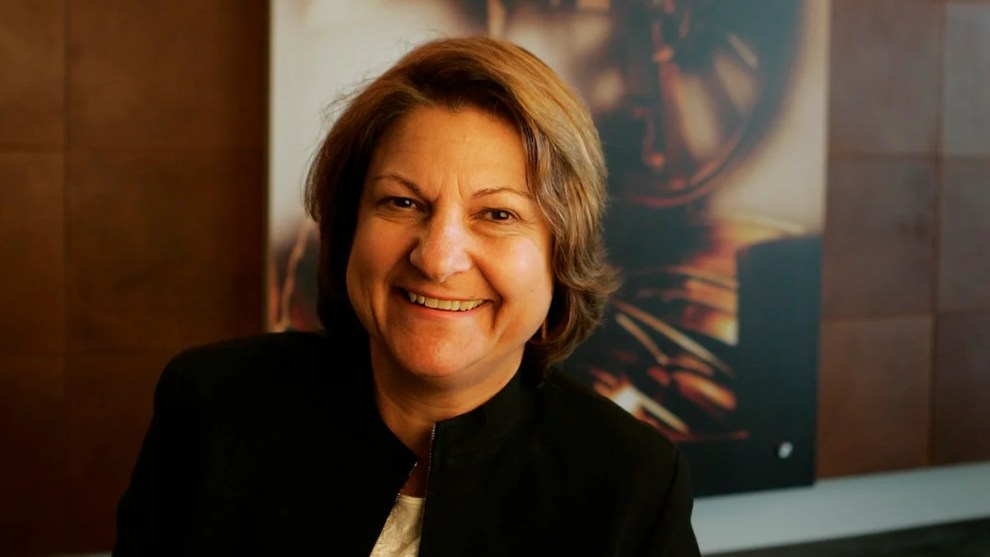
[409, 184]
[493, 191]
[412, 186]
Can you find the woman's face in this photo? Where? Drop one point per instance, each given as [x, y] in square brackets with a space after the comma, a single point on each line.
[450, 269]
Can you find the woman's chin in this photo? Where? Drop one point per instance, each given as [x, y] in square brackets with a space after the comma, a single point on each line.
[436, 368]
[454, 366]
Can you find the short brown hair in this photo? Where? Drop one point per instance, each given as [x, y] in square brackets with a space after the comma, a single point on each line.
[566, 172]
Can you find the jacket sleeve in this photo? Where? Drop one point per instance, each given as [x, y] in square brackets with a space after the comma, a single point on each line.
[673, 535]
[154, 512]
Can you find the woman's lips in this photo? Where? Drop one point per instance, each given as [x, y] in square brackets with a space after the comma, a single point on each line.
[442, 304]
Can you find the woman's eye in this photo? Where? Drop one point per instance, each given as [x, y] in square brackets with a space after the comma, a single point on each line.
[500, 215]
[401, 202]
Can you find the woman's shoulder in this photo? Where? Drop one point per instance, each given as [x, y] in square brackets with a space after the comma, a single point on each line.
[603, 427]
[287, 344]
[241, 354]
[272, 366]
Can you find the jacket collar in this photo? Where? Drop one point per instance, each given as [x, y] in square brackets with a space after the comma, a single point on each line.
[488, 425]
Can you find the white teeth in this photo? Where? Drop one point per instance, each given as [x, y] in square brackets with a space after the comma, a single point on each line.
[448, 305]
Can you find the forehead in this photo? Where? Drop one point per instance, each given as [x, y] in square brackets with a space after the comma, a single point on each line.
[434, 143]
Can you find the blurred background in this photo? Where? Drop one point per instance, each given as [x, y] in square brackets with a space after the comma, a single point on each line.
[712, 117]
[134, 164]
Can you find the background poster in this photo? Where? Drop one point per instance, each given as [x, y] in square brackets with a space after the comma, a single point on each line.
[713, 117]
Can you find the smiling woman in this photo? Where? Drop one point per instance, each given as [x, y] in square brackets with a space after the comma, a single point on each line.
[459, 198]
[429, 226]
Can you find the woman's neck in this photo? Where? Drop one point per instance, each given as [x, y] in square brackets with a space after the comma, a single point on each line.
[410, 404]
[412, 423]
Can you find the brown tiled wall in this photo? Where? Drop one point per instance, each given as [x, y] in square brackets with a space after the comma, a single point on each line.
[133, 149]
[905, 368]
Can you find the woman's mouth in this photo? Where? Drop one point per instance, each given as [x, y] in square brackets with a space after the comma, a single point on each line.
[442, 304]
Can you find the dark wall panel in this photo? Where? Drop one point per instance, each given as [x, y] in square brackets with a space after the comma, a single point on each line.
[965, 102]
[885, 69]
[880, 235]
[31, 250]
[32, 468]
[108, 412]
[165, 200]
[186, 75]
[32, 81]
[961, 421]
[164, 249]
[964, 265]
[874, 395]
[133, 147]
[906, 235]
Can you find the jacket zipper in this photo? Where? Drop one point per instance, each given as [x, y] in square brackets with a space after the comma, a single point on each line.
[395, 501]
[426, 484]
[429, 465]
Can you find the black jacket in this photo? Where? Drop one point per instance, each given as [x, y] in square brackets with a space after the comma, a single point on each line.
[272, 445]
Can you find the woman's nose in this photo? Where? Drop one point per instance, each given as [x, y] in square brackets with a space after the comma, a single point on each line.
[442, 249]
